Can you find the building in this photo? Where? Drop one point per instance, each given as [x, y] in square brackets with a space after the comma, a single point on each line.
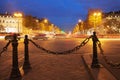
[94, 18]
[112, 15]
[111, 22]
[11, 23]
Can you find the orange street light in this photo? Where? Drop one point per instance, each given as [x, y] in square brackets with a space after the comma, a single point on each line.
[96, 16]
[17, 14]
[45, 21]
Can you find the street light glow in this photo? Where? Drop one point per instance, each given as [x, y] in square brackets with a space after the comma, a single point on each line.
[17, 14]
[97, 14]
[79, 20]
[97, 18]
[45, 20]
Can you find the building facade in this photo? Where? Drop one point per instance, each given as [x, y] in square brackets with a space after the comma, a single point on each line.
[112, 15]
[112, 22]
[10, 23]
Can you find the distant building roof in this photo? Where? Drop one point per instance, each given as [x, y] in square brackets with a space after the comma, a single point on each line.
[5, 14]
[112, 13]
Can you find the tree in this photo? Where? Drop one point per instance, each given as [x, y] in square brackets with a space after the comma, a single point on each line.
[30, 22]
[2, 28]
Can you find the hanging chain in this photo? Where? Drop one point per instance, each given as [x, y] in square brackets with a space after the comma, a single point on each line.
[113, 65]
[5, 48]
[64, 52]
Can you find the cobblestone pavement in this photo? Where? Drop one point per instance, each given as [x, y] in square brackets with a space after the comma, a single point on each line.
[48, 67]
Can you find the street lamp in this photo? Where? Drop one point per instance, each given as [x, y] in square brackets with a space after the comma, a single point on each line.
[79, 20]
[97, 16]
[45, 21]
[80, 24]
[18, 15]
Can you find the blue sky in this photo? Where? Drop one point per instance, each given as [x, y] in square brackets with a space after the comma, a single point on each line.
[63, 13]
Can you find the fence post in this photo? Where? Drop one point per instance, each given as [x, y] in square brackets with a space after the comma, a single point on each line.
[15, 73]
[95, 62]
[26, 64]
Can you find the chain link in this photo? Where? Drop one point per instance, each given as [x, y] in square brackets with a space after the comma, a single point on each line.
[5, 48]
[64, 52]
[113, 65]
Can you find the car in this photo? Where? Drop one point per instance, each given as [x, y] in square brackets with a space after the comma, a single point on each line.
[60, 36]
[40, 37]
[10, 37]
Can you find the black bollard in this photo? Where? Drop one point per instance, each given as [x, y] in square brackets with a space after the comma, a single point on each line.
[15, 73]
[95, 62]
[26, 64]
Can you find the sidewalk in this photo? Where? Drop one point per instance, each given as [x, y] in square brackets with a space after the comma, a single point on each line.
[49, 67]
[55, 67]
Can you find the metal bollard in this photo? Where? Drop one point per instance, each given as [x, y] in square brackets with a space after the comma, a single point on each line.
[95, 62]
[26, 64]
[15, 73]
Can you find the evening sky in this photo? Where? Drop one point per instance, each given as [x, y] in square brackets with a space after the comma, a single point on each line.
[63, 13]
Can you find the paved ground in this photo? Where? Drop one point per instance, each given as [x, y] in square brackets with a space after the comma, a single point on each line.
[114, 59]
[58, 67]
[48, 67]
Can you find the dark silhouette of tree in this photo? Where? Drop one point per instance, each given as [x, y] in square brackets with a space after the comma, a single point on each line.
[30, 22]
[2, 28]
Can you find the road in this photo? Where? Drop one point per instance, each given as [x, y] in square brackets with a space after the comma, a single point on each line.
[110, 47]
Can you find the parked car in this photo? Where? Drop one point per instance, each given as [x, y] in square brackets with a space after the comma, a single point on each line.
[40, 36]
[10, 37]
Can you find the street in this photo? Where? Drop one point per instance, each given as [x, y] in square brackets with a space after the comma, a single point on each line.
[110, 47]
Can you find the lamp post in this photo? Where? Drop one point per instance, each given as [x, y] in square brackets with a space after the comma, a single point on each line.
[95, 62]
[96, 16]
[45, 21]
[18, 16]
[80, 24]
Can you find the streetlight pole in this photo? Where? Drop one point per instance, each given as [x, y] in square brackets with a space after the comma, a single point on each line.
[79, 24]
[95, 62]
[45, 22]
[96, 15]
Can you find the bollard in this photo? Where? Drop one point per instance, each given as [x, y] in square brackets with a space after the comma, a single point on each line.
[26, 64]
[95, 62]
[15, 73]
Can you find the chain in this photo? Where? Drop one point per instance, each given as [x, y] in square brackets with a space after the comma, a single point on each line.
[113, 65]
[5, 48]
[64, 52]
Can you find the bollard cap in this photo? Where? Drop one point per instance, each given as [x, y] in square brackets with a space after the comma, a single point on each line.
[94, 33]
[15, 36]
[26, 36]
